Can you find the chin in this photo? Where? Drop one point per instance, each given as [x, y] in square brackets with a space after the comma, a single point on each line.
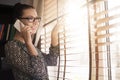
[34, 32]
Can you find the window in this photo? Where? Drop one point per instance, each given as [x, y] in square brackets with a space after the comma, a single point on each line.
[104, 26]
[89, 41]
[73, 62]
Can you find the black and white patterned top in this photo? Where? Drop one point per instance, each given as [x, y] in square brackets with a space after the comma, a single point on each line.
[26, 66]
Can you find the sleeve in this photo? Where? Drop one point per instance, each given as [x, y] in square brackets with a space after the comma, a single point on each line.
[16, 60]
[51, 58]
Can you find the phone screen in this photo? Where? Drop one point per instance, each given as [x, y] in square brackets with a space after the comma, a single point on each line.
[18, 24]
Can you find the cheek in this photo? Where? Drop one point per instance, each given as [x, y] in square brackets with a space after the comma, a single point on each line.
[29, 24]
[34, 29]
[33, 25]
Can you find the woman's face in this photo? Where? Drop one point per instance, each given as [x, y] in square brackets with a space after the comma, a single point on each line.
[30, 18]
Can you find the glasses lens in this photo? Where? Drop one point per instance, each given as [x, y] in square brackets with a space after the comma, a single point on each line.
[38, 19]
[32, 19]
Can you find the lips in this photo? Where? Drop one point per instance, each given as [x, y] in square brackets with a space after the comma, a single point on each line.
[33, 28]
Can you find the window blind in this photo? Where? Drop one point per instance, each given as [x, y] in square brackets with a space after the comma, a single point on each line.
[104, 30]
[50, 10]
[73, 62]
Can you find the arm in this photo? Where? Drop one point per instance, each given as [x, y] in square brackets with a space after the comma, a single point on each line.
[54, 35]
[51, 58]
[26, 35]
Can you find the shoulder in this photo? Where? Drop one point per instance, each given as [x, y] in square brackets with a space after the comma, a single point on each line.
[12, 48]
[11, 44]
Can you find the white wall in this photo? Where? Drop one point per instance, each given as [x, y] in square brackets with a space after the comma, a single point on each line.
[9, 2]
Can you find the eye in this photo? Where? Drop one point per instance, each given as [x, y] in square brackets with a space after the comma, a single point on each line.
[31, 19]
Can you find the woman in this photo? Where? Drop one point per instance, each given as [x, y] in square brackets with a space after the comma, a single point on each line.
[28, 62]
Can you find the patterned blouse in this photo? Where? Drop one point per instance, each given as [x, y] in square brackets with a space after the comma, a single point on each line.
[26, 66]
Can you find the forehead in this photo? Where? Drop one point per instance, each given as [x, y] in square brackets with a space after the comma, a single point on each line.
[29, 12]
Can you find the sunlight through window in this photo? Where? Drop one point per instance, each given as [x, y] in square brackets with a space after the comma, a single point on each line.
[73, 40]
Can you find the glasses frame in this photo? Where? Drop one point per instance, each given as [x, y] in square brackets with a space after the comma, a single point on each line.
[31, 19]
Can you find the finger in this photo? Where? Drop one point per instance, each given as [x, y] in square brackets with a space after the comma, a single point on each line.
[29, 30]
[24, 28]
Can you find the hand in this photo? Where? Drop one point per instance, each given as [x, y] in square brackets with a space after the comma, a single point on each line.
[26, 34]
[54, 33]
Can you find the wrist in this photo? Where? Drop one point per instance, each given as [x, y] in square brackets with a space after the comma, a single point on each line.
[29, 43]
[31, 49]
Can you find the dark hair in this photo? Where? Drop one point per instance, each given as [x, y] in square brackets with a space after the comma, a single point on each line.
[18, 9]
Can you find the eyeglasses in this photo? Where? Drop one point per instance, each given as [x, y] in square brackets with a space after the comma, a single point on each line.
[31, 19]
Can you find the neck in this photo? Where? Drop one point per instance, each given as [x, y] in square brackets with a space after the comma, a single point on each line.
[19, 37]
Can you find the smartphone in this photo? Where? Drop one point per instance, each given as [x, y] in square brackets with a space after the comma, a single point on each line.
[18, 24]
